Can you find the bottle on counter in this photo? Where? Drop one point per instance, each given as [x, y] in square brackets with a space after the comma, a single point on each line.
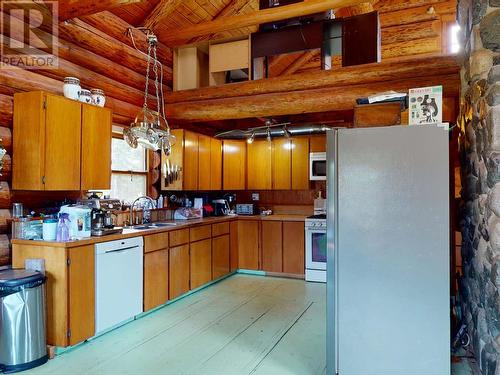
[62, 229]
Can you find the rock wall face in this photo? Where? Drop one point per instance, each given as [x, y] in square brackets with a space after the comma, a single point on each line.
[480, 120]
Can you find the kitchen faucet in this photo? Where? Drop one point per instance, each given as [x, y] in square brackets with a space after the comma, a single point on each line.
[131, 214]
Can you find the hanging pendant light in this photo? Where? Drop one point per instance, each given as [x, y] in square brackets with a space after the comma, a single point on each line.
[150, 128]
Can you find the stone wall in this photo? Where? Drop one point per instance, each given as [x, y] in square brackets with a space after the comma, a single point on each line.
[480, 121]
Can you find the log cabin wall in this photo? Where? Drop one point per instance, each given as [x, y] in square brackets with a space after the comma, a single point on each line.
[98, 52]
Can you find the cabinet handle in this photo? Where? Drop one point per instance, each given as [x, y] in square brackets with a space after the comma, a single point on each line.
[43, 180]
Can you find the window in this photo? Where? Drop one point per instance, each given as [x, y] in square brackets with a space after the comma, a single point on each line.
[454, 38]
[129, 172]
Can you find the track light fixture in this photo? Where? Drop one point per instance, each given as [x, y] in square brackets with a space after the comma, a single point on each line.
[251, 138]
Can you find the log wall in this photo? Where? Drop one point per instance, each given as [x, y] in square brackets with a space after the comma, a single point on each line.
[100, 61]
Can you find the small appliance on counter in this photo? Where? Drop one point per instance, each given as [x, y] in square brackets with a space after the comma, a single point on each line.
[79, 221]
[221, 207]
[102, 223]
[188, 213]
[245, 209]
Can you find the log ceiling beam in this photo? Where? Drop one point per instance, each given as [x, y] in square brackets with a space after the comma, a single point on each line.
[254, 18]
[300, 62]
[160, 12]
[77, 8]
[312, 92]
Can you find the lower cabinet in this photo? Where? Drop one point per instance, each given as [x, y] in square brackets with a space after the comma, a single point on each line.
[201, 262]
[294, 247]
[155, 279]
[248, 244]
[233, 246]
[178, 271]
[220, 256]
[70, 290]
[272, 246]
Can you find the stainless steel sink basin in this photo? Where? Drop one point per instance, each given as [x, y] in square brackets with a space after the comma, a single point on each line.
[164, 224]
[153, 226]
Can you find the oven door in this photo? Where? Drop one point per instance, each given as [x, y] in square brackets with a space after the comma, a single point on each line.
[316, 249]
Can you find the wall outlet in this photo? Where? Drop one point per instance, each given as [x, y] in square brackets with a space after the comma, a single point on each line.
[255, 196]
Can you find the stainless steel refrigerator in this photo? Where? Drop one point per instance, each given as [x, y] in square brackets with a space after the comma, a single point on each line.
[388, 251]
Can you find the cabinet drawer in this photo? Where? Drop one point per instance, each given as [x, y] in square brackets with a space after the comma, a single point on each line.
[200, 233]
[179, 237]
[155, 242]
[220, 229]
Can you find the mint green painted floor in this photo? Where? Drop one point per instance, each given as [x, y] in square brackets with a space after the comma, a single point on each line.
[241, 325]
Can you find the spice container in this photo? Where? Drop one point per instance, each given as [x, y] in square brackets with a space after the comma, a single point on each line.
[71, 88]
[85, 96]
[98, 97]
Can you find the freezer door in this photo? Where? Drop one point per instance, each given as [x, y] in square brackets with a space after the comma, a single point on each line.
[391, 269]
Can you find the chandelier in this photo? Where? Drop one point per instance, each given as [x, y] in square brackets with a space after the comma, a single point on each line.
[150, 128]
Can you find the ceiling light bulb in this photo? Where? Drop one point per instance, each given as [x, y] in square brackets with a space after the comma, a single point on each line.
[251, 138]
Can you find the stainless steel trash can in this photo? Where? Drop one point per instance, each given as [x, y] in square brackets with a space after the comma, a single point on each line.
[22, 320]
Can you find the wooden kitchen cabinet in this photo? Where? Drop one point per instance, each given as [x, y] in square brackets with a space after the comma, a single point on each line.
[96, 148]
[190, 161]
[300, 163]
[234, 164]
[63, 144]
[233, 246]
[272, 246]
[215, 164]
[220, 256]
[178, 271]
[248, 244]
[47, 142]
[293, 247]
[204, 162]
[155, 278]
[317, 143]
[70, 290]
[282, 164]
[201, 262]
[259, 164]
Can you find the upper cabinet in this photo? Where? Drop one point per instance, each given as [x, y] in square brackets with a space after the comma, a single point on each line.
[234, 164]
[60, 144]
[259, 173]
[195, 163]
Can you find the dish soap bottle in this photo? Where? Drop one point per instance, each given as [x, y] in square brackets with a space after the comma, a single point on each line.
[62, 229]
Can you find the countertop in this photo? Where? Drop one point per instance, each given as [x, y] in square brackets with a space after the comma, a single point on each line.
[179, 224]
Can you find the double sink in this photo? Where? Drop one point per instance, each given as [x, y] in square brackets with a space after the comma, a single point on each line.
[152, 226]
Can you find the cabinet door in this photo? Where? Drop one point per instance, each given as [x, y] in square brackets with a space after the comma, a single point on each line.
[234, 165]
[178, 271]
[204, 162]
[96, 148]
[248, 244]
[63, 134]
[201, 263]
[190, 161]
[317, 143]
[293, 247]
[259, 171]
[29, 141]
[233, 245]
[155, 279]
[215, 164]
[300, 163]
[282, 164]
[272, 246]
[81, 292]
[220, 256]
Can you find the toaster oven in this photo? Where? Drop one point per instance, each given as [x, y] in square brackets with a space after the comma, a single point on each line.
[245, 209]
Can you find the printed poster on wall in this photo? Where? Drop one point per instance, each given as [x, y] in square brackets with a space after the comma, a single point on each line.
[426, 105]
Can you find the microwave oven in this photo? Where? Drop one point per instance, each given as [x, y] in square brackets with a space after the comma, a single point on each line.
[317, 166]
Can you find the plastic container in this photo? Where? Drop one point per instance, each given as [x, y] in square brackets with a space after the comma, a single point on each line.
[62, 233]
[49, 229]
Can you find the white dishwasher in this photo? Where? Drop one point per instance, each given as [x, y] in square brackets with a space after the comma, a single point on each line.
[119, 282]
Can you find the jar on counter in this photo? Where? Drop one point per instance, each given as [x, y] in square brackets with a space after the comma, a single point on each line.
[49, 229]
[72, 88]
[85, 96]
[98, 97]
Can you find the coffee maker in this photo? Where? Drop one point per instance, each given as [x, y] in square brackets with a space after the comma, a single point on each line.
[102, 223]
[221, 207]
